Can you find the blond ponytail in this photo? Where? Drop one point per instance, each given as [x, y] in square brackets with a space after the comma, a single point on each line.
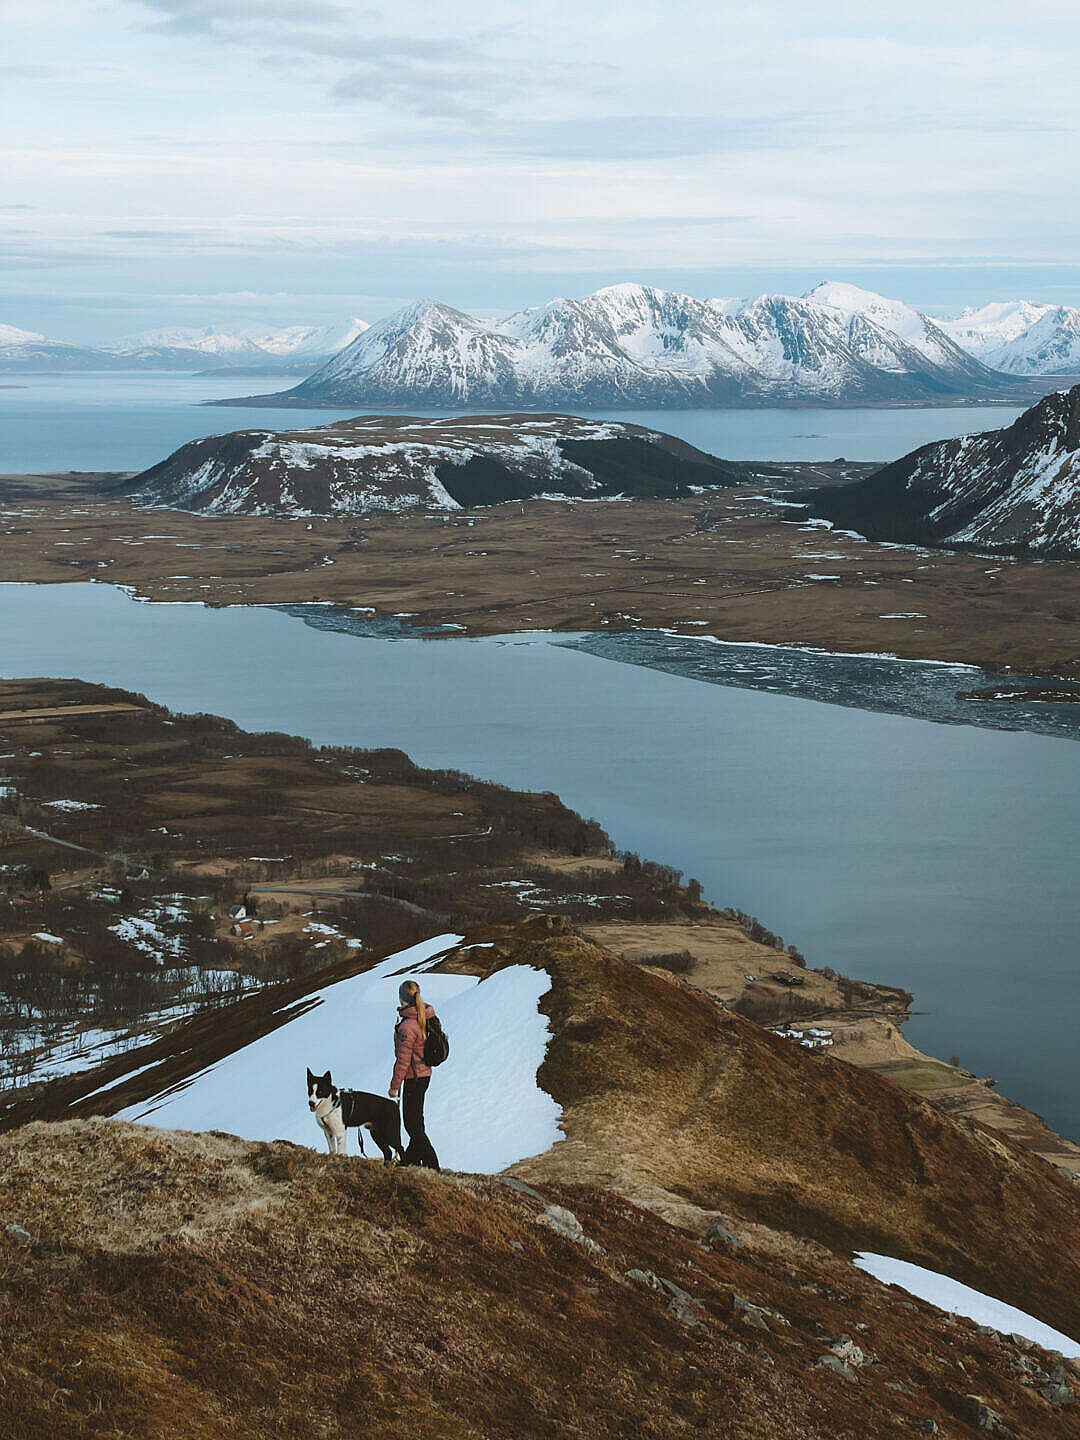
[412, 989]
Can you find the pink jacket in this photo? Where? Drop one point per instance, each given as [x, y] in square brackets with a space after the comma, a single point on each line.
[409, 1047]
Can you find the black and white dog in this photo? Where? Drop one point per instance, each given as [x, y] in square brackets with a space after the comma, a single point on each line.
[336, 1110]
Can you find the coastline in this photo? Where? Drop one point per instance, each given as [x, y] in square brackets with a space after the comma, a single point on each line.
[723, 562]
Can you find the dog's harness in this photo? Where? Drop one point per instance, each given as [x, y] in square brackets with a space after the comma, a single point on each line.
[345, 1099]
[342, 1100]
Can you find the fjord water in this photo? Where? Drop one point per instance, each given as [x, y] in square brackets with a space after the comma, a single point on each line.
[937, 857]
[53, 423]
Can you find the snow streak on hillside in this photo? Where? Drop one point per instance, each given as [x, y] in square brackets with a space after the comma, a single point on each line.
[948, 1294]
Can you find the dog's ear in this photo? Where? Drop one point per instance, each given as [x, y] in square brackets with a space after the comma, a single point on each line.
[326, 1077]
[310, 1076]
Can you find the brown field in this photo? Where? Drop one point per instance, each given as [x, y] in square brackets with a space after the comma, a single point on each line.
[720, 564]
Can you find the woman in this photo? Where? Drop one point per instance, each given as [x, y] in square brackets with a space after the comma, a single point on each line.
[410, 1035]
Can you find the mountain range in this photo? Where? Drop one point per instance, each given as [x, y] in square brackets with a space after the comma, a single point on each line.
[1015, 490]
[623, 346]
[398, 463]
[295, 348]
[630, 346]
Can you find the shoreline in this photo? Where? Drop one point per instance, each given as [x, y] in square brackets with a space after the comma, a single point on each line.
[729, 956]
[723, 562]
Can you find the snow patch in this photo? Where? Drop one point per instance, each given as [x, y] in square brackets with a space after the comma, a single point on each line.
[958, 1299]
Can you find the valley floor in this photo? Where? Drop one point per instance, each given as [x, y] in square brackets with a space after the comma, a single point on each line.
[725, 563]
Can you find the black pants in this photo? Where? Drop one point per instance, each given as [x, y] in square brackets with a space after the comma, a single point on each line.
[420, 1151]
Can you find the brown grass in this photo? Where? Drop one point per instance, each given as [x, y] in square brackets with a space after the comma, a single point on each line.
[354, 1302]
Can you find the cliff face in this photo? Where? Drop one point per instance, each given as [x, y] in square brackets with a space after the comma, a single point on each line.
[176, 1284]
[1015, 490]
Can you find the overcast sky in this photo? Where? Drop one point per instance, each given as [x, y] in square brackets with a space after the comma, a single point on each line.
[242, 161]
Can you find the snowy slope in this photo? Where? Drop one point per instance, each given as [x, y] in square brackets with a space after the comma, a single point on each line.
[1020, 338]
[1015, 490]
[959, 1299]
[388, 463]
[634, 345]
[484, 1108]
[908, 325]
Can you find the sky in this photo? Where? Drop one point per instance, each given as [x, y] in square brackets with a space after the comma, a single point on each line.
[262, 162]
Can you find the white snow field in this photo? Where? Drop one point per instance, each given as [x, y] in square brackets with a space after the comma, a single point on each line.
[960, 1299]
[484, 1108]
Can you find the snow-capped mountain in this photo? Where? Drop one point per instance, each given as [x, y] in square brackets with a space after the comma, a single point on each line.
[1015, 490]
[633, 345]
[314, 342]
[894, 317]
[296, 348]
[293, 346]
[400, 463]
[184, 346]
[27, 350]
[1019, 337]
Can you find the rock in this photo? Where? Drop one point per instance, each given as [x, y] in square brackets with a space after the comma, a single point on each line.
[836, 1365]
[565, 1223]
[924, 1427]
[644, 1277]
[516, 1184]
[516, 1245]
[753, 1315]
[984, 1418]
[718, 1234]
[845, 1349]
[1021, 1342]
[681, 1305]
[1057, 1392]
[18, 1233]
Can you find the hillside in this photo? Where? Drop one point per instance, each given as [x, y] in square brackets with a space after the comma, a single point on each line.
[630, 346]
[384, 463]
[1014, 491]
[718, 1178]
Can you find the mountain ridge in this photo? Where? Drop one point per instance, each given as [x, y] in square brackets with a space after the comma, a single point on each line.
[1012, 491]
[635, 346]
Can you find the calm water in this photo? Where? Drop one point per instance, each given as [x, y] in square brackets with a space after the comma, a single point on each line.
[937, 857]
[127, 422]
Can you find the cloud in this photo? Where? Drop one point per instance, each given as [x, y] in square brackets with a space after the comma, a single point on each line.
[350, 51]
[218, 16]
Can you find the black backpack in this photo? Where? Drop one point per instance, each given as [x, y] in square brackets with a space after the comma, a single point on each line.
[436, 1046]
